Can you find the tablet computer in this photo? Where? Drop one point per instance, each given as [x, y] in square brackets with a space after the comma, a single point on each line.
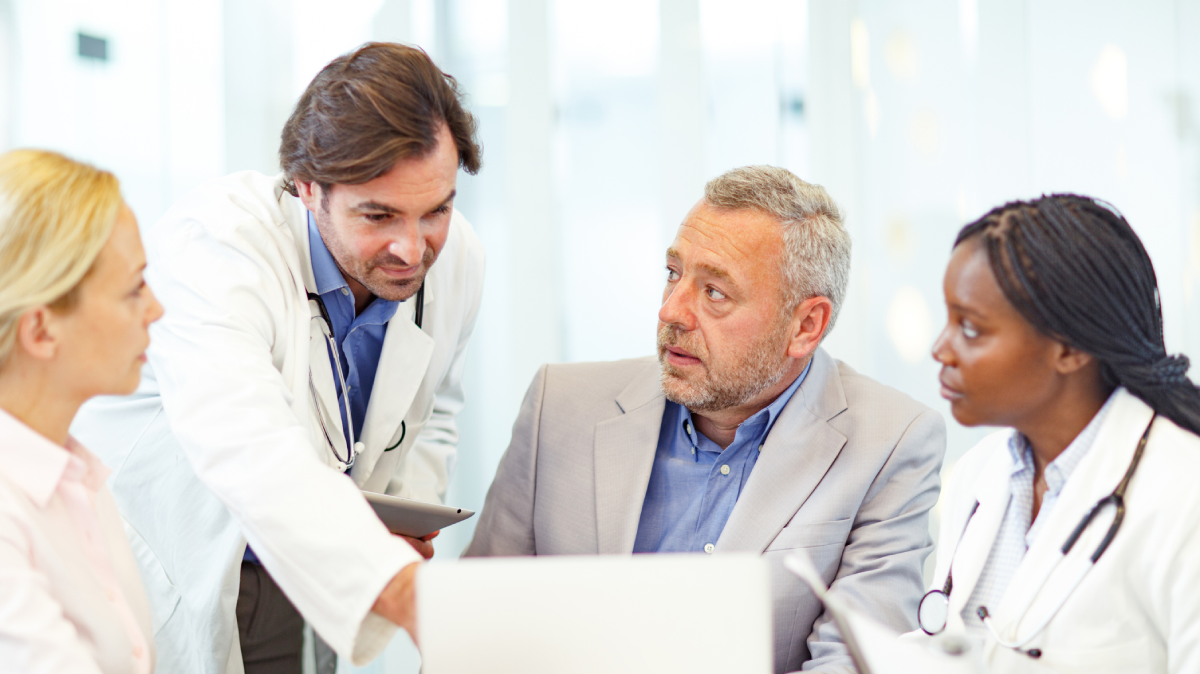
[414, 518]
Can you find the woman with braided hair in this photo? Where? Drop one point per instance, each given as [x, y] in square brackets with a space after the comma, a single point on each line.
[1070, 540]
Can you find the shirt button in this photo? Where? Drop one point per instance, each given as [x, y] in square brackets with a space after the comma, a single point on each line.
[345, 291]
[725, 470]
[709, 547]
[760, 448]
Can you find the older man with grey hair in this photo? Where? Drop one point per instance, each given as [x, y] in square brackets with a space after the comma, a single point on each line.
[742, 435]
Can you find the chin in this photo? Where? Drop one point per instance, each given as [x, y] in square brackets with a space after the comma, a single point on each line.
[397, 291]
[965, 416]
[130, 384]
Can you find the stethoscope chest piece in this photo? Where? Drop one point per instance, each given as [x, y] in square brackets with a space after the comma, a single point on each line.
[933, 612]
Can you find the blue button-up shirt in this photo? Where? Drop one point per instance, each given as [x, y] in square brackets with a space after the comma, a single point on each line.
[694, 483]
[359, 338]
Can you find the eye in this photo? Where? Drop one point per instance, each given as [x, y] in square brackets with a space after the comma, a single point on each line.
[672, 275]
[137, 291]
[714, 294]
[969, 330]
[441, 210]
[377, 217]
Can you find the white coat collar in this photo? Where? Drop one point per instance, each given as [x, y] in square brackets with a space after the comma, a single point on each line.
[1045, 578]
[403, 361]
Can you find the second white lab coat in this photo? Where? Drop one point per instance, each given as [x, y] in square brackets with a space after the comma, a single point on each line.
[221, 444]
[1138, 608]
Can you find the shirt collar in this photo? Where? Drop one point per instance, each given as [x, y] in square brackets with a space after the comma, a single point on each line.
[1063, 465]
[764, 417]
[325, 270]
[37, 465]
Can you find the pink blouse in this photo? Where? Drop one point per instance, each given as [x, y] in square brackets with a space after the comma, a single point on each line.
[71, 599]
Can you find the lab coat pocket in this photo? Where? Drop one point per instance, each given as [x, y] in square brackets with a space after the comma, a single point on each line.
[812, 535]
[160, 591]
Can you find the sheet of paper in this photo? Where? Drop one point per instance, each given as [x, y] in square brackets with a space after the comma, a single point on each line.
[883, 649]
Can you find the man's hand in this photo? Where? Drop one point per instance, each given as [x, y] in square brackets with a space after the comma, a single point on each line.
[398, 601]
[422, 544]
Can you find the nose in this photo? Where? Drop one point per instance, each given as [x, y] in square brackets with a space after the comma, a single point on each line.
[676, 308]
[408, 244]
[154, 309]
[942, 352]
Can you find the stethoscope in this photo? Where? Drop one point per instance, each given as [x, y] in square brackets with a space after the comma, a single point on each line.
[354, 448]
[934, 608]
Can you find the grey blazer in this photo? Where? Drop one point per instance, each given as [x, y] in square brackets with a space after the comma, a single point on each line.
[848, 472]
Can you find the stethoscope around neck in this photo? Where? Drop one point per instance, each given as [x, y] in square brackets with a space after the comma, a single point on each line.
[934, 609]
[353, 448]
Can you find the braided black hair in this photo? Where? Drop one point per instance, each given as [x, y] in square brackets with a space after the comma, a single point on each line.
[1077, 272]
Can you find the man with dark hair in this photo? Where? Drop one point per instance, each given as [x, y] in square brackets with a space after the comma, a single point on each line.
[312, 347]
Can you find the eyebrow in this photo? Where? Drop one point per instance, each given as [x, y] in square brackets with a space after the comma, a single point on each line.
[376, 206]
[708, 269]
[964, 310]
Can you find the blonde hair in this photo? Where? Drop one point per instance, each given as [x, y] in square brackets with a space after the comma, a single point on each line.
[56, 214]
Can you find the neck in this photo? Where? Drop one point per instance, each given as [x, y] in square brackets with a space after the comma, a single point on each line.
[30, 397]
[721, 426]
[1057, 426]
[362, 296]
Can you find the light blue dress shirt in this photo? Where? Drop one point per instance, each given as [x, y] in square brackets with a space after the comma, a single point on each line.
[1019, 530]
[359, 338]
[694, 483]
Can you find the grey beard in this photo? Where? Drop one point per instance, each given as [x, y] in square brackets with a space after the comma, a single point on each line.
[761, 368]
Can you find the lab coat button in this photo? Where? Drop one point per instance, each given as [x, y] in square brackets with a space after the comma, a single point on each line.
[725, 470]
[138, 652]
[709, 547]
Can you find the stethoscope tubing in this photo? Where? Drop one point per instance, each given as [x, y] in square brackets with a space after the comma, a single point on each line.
[1115, 499]
[335, 361]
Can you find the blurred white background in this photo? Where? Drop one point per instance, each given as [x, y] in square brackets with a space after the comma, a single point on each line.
[601, 121]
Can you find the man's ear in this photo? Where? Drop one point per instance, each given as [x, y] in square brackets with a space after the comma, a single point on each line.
[310, 194]
[1069, 359]
[35, 333]
[809, 322]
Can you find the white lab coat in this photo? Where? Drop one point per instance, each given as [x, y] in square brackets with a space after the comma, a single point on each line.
[1138, 608]
[221, 443]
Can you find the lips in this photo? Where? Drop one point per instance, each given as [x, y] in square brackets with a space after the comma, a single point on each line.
[401, 272]
[948, 391]
[680, 357]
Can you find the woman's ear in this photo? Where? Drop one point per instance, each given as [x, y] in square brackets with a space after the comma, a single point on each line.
[1070, 359]
[36, 335]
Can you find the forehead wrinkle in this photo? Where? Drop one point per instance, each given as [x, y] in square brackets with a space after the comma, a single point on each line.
[722, 236]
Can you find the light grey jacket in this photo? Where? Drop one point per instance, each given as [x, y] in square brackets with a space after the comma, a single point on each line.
[849, 472]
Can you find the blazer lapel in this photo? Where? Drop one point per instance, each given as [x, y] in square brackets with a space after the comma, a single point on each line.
[327, 416]
[624, 456]
[1045, 578]
[991, 492]
[798, 452]
[403, 362]
[325, 408]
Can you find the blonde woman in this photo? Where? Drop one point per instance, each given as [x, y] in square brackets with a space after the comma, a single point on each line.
[74, 314]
